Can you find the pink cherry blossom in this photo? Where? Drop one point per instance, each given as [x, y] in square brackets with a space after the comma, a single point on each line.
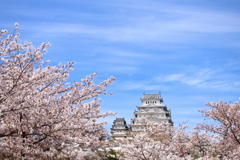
[41, 115]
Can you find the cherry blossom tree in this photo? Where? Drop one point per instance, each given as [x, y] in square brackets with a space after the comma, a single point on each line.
[158, 141]
[227, 129]
[41, 115]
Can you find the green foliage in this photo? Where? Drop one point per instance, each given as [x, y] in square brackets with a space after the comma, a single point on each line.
[112, 155]
[111, 158]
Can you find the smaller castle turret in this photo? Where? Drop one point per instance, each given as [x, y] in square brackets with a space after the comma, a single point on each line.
[119, 128]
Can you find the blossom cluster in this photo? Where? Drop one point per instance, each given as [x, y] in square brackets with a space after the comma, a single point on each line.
[41, 115]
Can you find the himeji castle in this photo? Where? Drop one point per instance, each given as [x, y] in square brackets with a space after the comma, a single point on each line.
[153, 110]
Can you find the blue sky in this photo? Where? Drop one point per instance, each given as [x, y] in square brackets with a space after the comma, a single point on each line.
[187, 50]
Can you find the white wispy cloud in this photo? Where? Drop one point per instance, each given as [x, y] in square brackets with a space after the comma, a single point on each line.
[207, 78]
[175, 24]
[122, 53]
[196, 78]
[141, 85]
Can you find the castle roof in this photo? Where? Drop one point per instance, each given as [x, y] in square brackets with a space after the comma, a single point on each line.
[119, 119]
[151, 97]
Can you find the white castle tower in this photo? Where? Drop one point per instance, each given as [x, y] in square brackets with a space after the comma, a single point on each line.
[119, 128]
[151, 109]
